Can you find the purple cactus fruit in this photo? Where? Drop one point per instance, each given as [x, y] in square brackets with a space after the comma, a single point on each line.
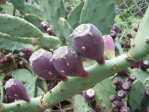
[123, 44]
[117, 81]
[89, 95]
[113, 98]
[44, 26]
[115, 109]
[124, 109]
[129, 35]
[144, 65]
[50, 31]
[131, 77]
[113, 34]
[67, 62]
[126, 86]
[16, 89]
[117, 104]
[109, 47]
[88, 41]
[27, 51]
[123, 73]
[121, 93]
[116, 27]
[42, 65]
[136, 29]
[128, 45]
[147, 108]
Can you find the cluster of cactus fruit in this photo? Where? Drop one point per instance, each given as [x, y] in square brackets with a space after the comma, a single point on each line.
[72, 56]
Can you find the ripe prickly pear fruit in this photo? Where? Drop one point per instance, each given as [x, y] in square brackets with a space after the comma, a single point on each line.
[123, 73]
[67, 62]
[16, 89]
[117, 81]
[42, 65]
[131, 77]
[126, 86]
[44, 26]
[89, 95]
[116, 27]
[27, 51]
[121, 93]
[124, 109]
[113, 34]
[88, 41]
[50, 31]
[109, 47]
[117, 104]
[113, 98]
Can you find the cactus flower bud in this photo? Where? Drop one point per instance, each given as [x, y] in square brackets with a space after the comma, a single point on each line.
[68, 62]
[16, 89]
[89, 95]
[109, 47]
[42, 65]
[87, 40]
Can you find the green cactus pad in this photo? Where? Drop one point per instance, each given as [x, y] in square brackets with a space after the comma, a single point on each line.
[80, 104]
[135, 95]
[12, 45]
[33, 19]
[74, 15]
[101, 13]
[141, 41]
[19, 4]
[103, 90]
[16, 26]
[52, 10]
[66, 30]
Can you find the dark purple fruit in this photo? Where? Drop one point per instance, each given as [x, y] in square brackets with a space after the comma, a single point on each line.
[116, 27]
[67, 62]
[131, 77]
[117, 81]
[44, 26]
[113, 98]
[42, 65]
[123, 73]
[136, 29]
[89, 95]
[121, 93]
[124, 109]
[126, 86]
[88, 41]
[117, 104]
[129, 35]
[113, 34]
[16, 89]
[27, 51]
[50, 31]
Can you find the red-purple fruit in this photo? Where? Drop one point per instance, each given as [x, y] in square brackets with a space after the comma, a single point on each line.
[27, 51]
[42, 65]
[89, 95]
[88, 41]
[131, 77]
[67, 62]
[123, 73]
[113, 34]
[16, 89]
